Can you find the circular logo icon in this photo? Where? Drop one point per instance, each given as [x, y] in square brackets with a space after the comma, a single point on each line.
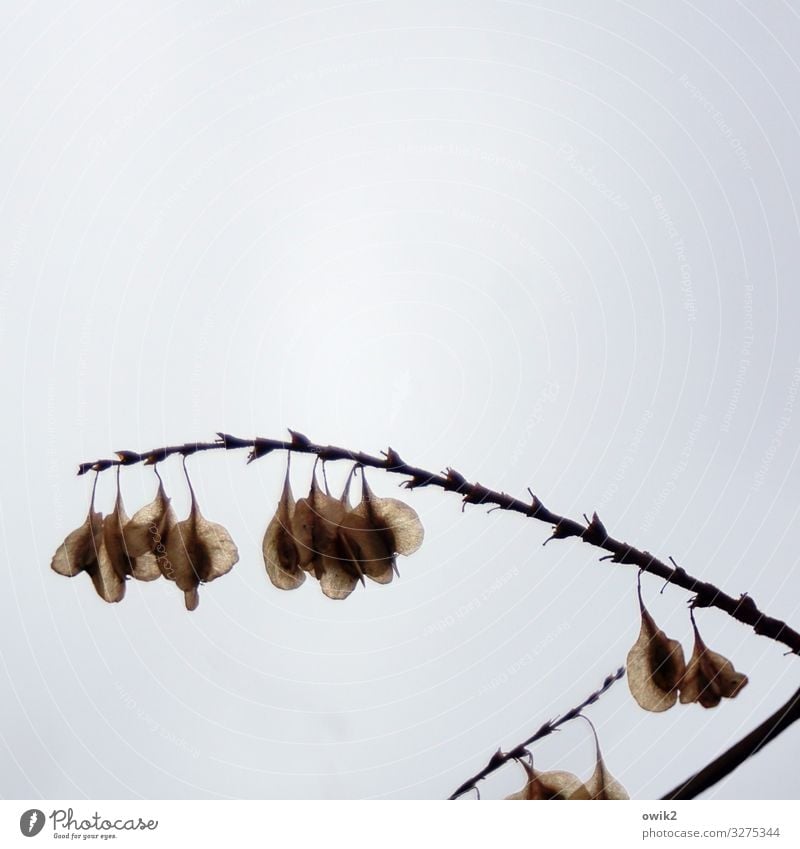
[31, 822]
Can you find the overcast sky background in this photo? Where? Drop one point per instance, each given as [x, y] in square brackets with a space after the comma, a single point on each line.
[549, 245]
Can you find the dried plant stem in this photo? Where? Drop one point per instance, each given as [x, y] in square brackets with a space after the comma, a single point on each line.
[499, 758]
[743, 608]
[748, 746]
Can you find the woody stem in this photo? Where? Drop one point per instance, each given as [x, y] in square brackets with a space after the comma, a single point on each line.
[499, 758]
[748, 746]
[743, 608]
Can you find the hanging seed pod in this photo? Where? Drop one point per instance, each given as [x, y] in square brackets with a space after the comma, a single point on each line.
[655, 665]
[709, 676]
[142, 568]
[315, 524]
[281, 554]
[541, 786]
[83, 550]
[603, 785]
[148, 531]
[377, 530]
[198, 551]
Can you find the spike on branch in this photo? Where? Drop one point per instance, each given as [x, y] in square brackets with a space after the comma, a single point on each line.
[393, 459]
[595, 532]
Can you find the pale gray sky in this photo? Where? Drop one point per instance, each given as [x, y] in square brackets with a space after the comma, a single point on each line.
[551, 246]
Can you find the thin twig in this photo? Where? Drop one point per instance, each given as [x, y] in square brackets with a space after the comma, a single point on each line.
[743, 608]
[728, 761]
[500, 758]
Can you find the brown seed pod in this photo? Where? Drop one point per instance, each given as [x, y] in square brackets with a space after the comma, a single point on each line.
[83, 550]
[709, 677]
[378, 529]
[280, 550]
[148, 531]
[556, 785]
[603, 785]
[316, 524]
[655, 665]
[142, 568]
[198, 551]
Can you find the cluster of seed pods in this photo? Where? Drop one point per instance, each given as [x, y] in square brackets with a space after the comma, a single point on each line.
[325, 536]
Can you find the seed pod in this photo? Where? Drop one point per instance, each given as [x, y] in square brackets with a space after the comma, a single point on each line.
[603, 785]
[142, 568]
[281, 555]
[315, 524]
[550, 786]
[655, 665]
[198, 551]
[709, 676]
[149, 529]
[377, 530]
[83, 551]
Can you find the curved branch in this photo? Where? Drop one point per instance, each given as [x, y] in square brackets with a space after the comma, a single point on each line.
[499, 758]
[728, 761]
[743, 608]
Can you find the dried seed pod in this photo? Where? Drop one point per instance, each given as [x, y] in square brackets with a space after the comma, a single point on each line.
[144, 567]
[603, 785]
[550, 785]
[377, 530]
[198, 551]
[148, 531]
[709, 677]
[83, 551]
[281, 555]
[315, 525]
[655, 665]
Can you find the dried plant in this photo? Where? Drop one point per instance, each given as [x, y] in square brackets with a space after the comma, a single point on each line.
[541, 786]
[561, 785]
[84, 551]
[281, 554]
[655, 665]
[709, 677]
[147, 533]
[142, 567]
[341, 545]
[601, 784]
[198, 551]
